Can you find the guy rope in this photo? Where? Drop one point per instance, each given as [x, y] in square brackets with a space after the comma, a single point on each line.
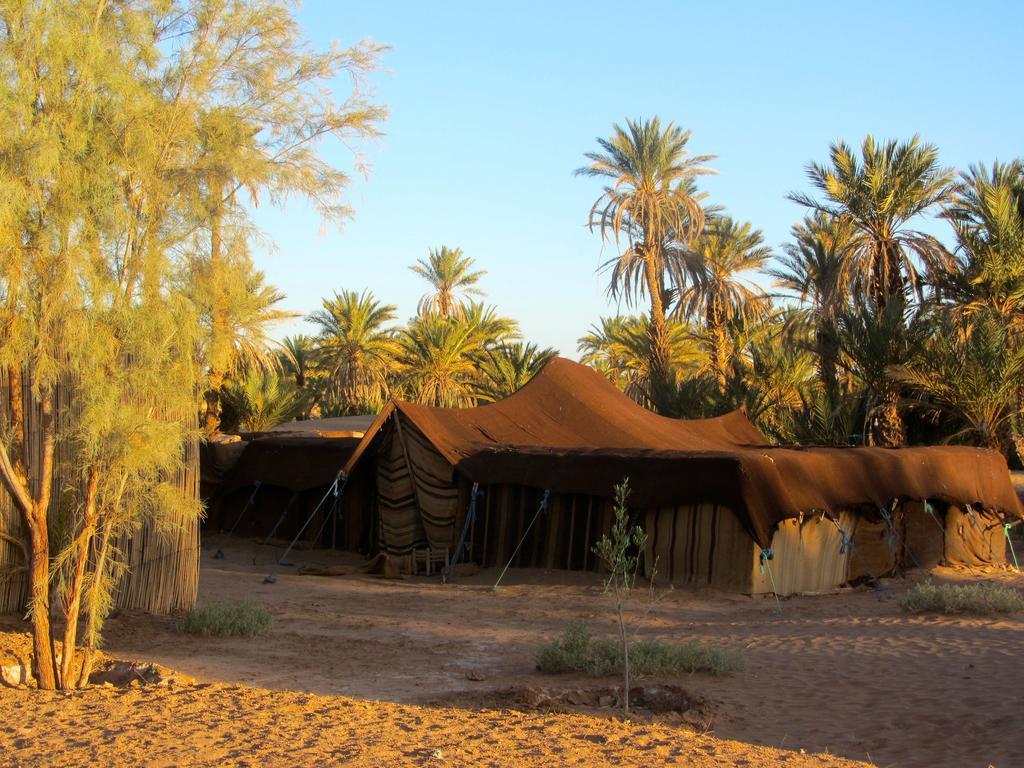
[336, 489]
[219, 554]
[764, 562]
[542, 507]
[475, 494]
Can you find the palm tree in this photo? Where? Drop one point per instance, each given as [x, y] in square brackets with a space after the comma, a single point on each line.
[238, 309]
[439, 359]
[620, 347]
[987, 214]
[509, 367]
[777, 387]
[815, 270]
[719, 293]
[296, 357]
[971, 370]
[356, 349]
[487, 328]
[450, 274]
[876, 342]
[880, 193]
[649, 203]
[262, 399]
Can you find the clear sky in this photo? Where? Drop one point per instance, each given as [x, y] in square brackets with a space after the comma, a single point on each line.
[493, 105]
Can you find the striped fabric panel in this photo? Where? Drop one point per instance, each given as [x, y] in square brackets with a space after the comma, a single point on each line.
[400, 526]
[437, 493]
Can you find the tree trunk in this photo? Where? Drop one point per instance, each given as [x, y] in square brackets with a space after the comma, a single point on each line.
[827, 343]
[211, 421]
[718, 354]
[14, 472]
[624, 637]
[887, 428]
[73, 599]
[39, 590]
[660, 375]
[92, 602]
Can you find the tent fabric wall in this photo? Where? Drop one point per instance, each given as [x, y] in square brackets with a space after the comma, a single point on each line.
[437, 493]
[401, 528]
[807, 557]
[698, 544]
[924, 534]
[973, 538]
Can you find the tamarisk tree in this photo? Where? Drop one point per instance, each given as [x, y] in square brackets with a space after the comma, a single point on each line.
[129, 129]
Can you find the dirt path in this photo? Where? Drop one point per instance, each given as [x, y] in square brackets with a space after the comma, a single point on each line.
[848, 674]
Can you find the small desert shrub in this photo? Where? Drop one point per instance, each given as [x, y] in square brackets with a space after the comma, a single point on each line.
[230, 619]
[578, 651]
[972, 598]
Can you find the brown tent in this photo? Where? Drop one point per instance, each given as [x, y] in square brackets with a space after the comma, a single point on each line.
[713, 494]
[275, 480]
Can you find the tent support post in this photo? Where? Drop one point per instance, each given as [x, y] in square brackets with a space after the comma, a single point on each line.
[572, 526]
[586, 535]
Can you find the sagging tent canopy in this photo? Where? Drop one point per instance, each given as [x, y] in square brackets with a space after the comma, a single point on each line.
[297, 455]
[570, 430]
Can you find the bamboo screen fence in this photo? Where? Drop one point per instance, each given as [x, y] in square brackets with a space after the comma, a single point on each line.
[162, 573]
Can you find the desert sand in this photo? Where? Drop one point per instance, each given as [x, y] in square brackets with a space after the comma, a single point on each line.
[358, 670]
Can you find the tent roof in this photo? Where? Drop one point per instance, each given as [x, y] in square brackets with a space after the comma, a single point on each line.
[334, 426]
[571, 430]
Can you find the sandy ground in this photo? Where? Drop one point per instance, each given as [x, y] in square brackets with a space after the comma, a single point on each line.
[362, 671]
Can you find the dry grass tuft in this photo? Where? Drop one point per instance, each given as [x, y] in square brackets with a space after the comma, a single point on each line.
[970, 599]
[229, 619]
[578, 651]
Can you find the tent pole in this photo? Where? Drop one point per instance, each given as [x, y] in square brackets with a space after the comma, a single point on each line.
[572, 526]
[586, 535]
[334, 525]
[487, 525]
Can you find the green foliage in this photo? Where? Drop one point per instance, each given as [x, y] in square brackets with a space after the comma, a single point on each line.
[227, 619]
[619, 550]
[878, 193]
[970, 370]
[981, 599]
[651, 209]
[721, 261]
[125, 279]
[987, 215]
[441, 358]
[578, 651]
[450, 274]
[356, 350]
[262, 399]
[508, 368]
[620, 347]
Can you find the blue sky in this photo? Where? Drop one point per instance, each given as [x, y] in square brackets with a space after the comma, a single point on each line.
[493, 105]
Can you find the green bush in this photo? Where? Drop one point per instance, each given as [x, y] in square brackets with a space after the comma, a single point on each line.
[229, 619]
[972, 598]
[578, 651]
